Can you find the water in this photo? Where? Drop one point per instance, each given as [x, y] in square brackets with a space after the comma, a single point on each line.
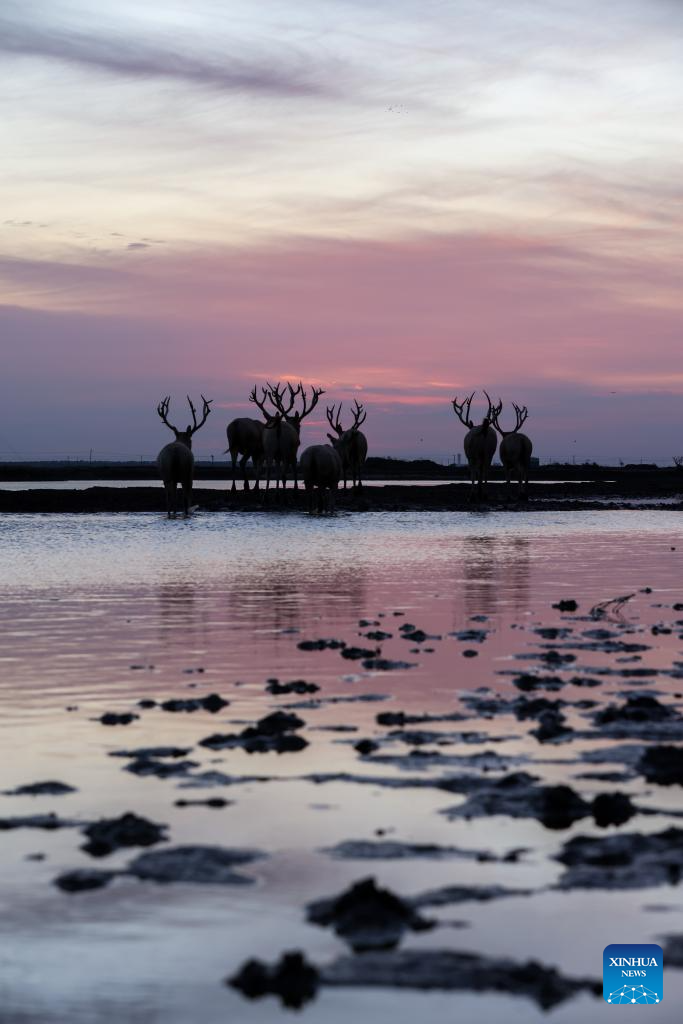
[99, 611]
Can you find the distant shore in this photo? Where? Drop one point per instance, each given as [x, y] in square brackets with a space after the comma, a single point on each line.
[658, 490]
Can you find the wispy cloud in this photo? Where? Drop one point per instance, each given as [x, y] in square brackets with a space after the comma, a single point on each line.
[124, 56]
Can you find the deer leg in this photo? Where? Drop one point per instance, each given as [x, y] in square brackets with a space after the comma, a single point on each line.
[233, 456]
[243, 467]
[187, 498]
[296, 474]
[258, 466]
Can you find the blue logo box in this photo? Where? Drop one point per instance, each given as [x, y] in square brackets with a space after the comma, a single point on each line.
[633, 973]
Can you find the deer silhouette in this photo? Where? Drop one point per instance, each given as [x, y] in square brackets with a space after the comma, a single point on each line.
[480, 442]
[175, 461]
[351, 444]
[515, 447]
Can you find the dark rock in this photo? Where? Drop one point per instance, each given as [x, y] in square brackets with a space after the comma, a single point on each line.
[272, 733]
[147, 752]
[49, 822]
[111, 834]
[213, 801]
[638, 708]
[516, 796]
[367, 917]
[622, 861]
[450, 970]
[379, 635]
[358, 653]
[112, 718]
[212, 702]
[451, 894]
[470, 653]
[84, 879]
[551, 726]
[296, 686]
[530, 682]
[147, 703]
[320, 645]
[365, 849]
[662, 764]
[202, 865]
[40, 789]
[386, 665]
[470, 636]
[293, 979]
[612, 809]
[162, 769]
[365, 747]
[566, 605]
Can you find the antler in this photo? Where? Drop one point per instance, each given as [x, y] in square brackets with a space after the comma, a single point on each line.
[276, 394]
[261, 405]
[358, 414]
[464, 405]
[521, 415]
[315, 392]
[206, 409]
[494, 411]
[335, 420]
[162, 410]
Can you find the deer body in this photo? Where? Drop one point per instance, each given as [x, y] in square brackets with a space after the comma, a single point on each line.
[245, 438]
[282, 431]
[175, 461]
[480, 443]
[351, 445]
[515, 449]
[321, 466]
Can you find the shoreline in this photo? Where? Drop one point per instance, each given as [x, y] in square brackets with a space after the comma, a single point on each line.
[593, 496]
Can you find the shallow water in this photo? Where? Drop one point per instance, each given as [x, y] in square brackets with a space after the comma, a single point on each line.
[99, 611]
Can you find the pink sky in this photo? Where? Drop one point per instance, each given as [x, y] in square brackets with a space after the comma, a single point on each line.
[433, 205]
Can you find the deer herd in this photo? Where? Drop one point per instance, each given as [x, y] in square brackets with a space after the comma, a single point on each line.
[274, 440]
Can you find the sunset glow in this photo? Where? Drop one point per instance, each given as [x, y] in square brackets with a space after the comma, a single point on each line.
[398, 201]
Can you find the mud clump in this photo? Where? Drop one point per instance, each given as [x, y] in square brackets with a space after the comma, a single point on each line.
[516, 796]
[83, 880]
[662, 765]
[111, 834]
[213, 703]
[199, 865]
[450, 970]
[622, 861]
[113, 718]
[567, 605]
[48, 788]
[274, 686]
[292, 979]
[367, 917]
[275, 732]
[321, 645]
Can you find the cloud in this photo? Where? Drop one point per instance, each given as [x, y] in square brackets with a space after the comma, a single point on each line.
[127, 57]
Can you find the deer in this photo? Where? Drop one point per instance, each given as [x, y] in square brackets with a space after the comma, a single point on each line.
[175, 461]
[321, 466]
[480, 442]
[282, 437]
[351, 444]
[245, 438]
[515, 447]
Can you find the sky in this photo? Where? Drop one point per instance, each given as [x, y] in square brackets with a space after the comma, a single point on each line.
[399, 202]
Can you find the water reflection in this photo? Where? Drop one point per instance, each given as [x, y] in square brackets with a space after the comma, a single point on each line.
[496, 574]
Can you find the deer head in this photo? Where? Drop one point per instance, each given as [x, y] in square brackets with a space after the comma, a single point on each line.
[185, 436]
